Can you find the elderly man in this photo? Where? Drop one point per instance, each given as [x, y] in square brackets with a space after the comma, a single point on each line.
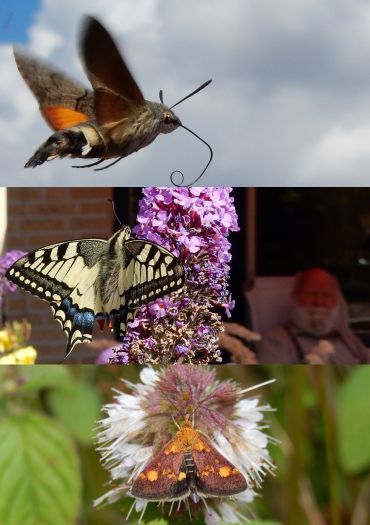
[317, 332]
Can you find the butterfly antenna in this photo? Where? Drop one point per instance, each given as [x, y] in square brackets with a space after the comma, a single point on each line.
[114, 211]
[190, 94]
[180, 184]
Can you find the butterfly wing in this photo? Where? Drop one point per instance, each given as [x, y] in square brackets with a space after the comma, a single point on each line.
[164, 477]
[63, 102]
[215, 475]
[116, 93]
[85, 278]
[141, 272]
[65, 275]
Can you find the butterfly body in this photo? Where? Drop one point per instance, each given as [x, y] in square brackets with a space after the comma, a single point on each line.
[111, 121]
[89, 278]
[188, 464]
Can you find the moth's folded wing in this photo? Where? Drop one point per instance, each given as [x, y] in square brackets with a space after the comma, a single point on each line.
[63, 102]
[65, 275]
[163, 478]
[215, 475]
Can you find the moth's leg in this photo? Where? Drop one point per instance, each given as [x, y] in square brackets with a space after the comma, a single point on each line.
[77, 142]
[60, 144]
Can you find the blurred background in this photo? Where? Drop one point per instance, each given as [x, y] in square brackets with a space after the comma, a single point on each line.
[321, 419]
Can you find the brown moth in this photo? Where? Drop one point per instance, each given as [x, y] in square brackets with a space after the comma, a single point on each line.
[188, 464]
[111, 121]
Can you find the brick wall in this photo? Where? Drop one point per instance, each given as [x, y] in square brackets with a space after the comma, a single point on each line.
[41, 216]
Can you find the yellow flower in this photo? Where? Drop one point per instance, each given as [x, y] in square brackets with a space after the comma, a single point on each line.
[6, 341]
[23, 356]
[8, 359]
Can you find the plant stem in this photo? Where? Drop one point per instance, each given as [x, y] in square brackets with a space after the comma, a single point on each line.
[323, 381]
[295, 429]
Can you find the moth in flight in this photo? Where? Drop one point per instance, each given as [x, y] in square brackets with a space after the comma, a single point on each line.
[87, 279]
[111, 121]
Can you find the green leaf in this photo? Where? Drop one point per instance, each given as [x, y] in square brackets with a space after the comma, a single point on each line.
[39, 472]
[353, 410]
[45, 376]
[78, 406]
[157, 522]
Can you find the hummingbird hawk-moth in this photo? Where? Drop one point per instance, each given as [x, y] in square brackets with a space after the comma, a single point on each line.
[111, 121]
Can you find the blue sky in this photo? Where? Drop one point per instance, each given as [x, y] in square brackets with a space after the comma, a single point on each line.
[15, 19]
[289, 103]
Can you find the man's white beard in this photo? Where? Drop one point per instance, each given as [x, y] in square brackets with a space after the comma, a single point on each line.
[315, 320]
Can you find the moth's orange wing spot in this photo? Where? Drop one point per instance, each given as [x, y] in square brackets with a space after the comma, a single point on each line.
[152, 475]
[62, 118]
[226, 471]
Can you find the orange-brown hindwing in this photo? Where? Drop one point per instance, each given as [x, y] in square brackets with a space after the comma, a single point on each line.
[62, 118]
[63, 102]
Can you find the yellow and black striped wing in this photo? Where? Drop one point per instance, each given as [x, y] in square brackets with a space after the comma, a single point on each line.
[142, 272]
[65, 274]
[87, 278]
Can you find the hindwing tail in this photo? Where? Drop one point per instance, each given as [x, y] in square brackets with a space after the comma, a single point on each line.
[87, 278]
[64, 275]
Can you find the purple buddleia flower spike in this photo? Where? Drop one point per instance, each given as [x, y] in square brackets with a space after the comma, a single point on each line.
[193, 223]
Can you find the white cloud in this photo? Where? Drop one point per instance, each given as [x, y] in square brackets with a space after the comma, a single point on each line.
[338, 152]
[44, 41]
[291, 86]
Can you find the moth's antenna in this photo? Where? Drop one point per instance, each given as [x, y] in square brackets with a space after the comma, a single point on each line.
[114, 211]
[161, 96]
[190, 94]
[181, 185]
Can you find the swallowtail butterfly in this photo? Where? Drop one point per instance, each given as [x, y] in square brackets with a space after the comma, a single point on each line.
[89, 278]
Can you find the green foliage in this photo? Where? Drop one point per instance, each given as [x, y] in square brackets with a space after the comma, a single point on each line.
[39, 473]
[47, 376]
[73, 403]
[353, 409]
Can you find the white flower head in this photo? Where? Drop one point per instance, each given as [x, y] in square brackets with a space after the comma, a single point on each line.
[168, 426]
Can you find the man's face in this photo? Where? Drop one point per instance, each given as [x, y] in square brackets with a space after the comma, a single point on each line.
[316, 303]
[317, 291]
